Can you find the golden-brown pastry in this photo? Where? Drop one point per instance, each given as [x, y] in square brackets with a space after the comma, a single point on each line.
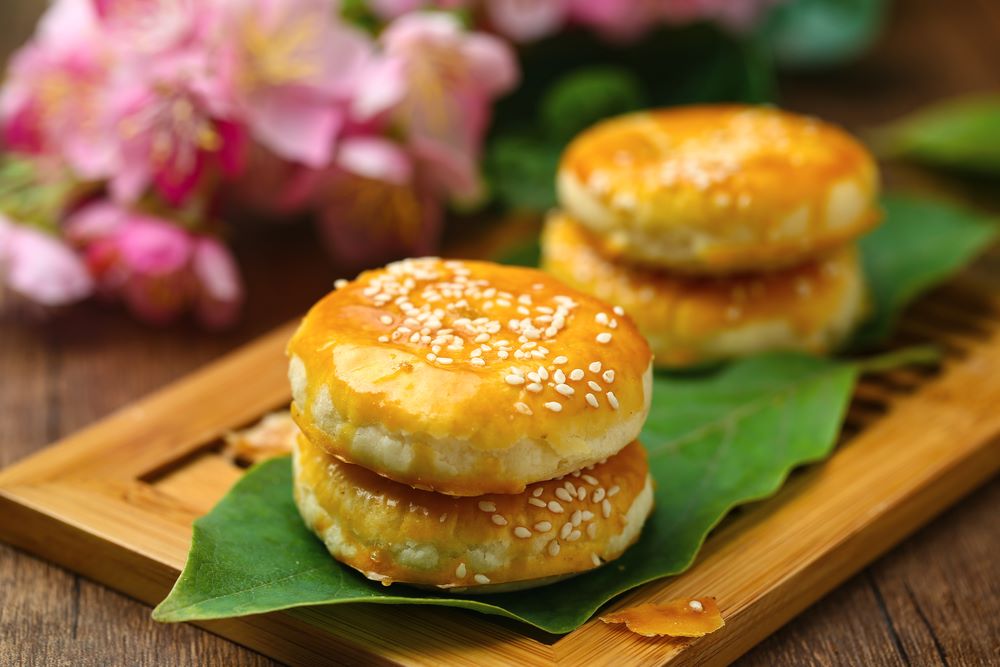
[467, 377]
[394, 533]
[719, 189]
[691, 320]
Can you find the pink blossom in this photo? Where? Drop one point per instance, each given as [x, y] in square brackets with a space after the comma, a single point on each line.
[150, 27]
[158, 269]
[527, 20]
[39, 267]
[170, 131]
[291, 66]
[437, 82]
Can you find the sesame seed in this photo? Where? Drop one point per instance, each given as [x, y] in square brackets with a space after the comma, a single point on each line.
[569, 486]
[595, 367]
[565, 389]
[481, 579]
[606, 508]
[612, 399]
[566, 530]
[576, 374]
[444, 360]
[581, 493]
[534, 387]
[542, 373]
[590, 479]
[574, 536]
[592, 400]
[558, 361]
[522, 532]
[618, 310]
[537, 492]
[696, 605]
[460, 571]
[591, 530]
[383, 339]
[522, 408]
[514, 379]
[604, 337]
[498, 520]
[593, 385]
[613, 491]
[553, 548]
[587, 515]
[487, 506]
[555, 507]
[536, 502]
[477, 361]
[598, 495]
[563, 494]
[340, 283]
[431, 356]
[559, 376]
[553, 406]
[609, 376]
[386, 319]
[595, 560]
[576, 518]
[503, 354]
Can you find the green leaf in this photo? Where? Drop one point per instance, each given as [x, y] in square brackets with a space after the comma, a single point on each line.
[714, 440]
[521, 170]
[959, 134]
[919, 244]
[822, 33]
[587, 95]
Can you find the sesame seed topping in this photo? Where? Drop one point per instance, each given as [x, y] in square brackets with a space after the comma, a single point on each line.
[522, 532]
[536, 502]
[498, 520]
[612, 399]
[523, 408]
[587, 515]
[534, 387]
[487, 506]
[555, 507]
[553, 406]
[563, 494]
[386, 319]
[558, 361]
[514, 379]
[569, 486]
[542, 373]
[593, 385]
[613, 491]
[581, 493]
[566, 530]
[576, 374]
[565, 389]
[574, 536]
[444, 360]
[543, 526]
[590, 479]
[595, 367]
[606, 508]
[591, 530]
[598, 495]
[538, 491]
[595, 560]
[559, 376]
[592, 400]
[340, 283]
[604, 338]
[609, 376]
[601, 318]
[576, 518]
[696, 605]
[481, 579]
[460, 571]
[618, 310]
[553, 548]
[383, 339]
[477, 361]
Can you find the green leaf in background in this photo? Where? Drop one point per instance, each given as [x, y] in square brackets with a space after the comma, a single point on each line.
[521, 170]
[920, 243]
[714, 441]
[960, 134]
[585, 96]
[822, 33]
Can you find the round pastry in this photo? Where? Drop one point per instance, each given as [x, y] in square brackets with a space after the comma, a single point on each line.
[719, 189]
[691, 320]
[391, 532]
[467, 377]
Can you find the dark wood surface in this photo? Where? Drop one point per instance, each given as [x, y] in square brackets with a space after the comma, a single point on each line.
[935, 599]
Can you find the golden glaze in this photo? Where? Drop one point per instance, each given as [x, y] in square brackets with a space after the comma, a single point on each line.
[683, 313]
[751, 187]
[375, 378]
[378, 517]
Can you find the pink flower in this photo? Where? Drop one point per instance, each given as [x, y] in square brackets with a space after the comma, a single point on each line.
[619, 20]
[171, 129]
[150, 27]
[39, 267]
[157, 268]
[291, 66]
[391, 9]
[53, 102]
[437, 84]
[527, 20]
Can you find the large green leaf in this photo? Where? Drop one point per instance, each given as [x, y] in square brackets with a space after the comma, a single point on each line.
[959, 134]
[920, 243]
[714, 440]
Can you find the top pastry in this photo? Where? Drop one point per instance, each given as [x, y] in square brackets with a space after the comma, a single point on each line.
[719, 189]
[468, 378]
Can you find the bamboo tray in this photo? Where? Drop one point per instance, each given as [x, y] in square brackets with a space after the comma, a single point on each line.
[115, 503]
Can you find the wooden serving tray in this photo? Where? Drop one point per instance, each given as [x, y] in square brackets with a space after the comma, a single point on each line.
[115, 502]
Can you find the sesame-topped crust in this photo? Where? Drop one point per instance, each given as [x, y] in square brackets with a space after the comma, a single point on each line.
[692, 320]
[394, 533]
[467, 377]
[719, 188]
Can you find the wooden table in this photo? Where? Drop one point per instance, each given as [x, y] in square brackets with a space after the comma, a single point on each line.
[935, 599]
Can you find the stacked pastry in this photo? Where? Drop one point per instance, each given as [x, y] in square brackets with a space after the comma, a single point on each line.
[469, 426]
[723, 230]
